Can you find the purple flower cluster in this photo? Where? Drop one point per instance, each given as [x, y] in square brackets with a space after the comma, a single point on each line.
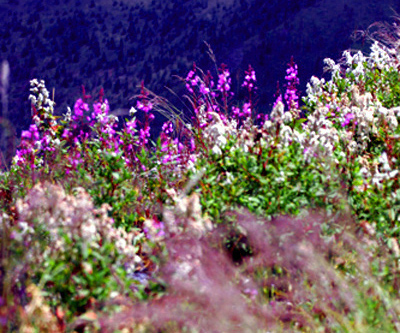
[192, 80]
[91, 122]
[291, 95]
[176, 151]
[250, 84]
[25, 152]
[224, 80]
[204, 97]
[250, 79]
[145, 104]
[80, 108]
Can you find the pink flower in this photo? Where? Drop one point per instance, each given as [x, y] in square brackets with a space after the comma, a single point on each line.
[349, 117]
[79, 107]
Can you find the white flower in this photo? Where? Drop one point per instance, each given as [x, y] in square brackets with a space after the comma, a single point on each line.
[349, 58]
[120, 244]
[379, 57]
[229, 178]
[332, 67]
[216, 150]
[287, 117]
[278, 111]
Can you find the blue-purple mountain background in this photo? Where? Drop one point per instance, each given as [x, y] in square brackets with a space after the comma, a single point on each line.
[117, 44]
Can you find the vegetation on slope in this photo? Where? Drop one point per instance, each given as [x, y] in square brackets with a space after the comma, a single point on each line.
[230, 221]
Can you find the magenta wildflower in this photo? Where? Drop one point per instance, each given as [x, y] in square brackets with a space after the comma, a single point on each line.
[131, 127]
[97, 108]
[31, 134]
[144, 106]
[25, 151]
[278, 99]
[262, 118]
[66, 133]
[249, 79]
[192, 144]
[250, 84]
[167, 127]
[348, 118]
[236, 112]
[291, 96]
[144, 134]
[224, 80]
[80, 107]
[203, 89]
[45, 143]
[144, 103]
[190, 81]
[246, 110]
[277, 95]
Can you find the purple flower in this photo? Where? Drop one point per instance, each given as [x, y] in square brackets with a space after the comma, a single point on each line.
[203, 89]
[236, 112]
[224, 80]
[33, 133]
[144, 133]
[66, 133]
[26, 135]
[131, 127]
[189, 80]
[349, 117]
[167, 127]
[79, 107]
[192, 144]
[291, 96]
[247, 110]
[145, 106]
[249, 79]
[278, 99]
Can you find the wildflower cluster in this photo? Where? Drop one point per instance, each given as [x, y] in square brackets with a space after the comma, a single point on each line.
[41, 138]
[68, 218]
[291, 97]
[100, 215]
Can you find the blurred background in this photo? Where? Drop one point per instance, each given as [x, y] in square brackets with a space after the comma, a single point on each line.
[116, 45]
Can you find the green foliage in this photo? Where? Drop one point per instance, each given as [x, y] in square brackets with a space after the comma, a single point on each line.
[269, 182]
[81, 276]
[385, 84]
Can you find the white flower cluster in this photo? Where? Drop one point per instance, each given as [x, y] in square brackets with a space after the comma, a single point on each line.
[317, 137]
[320, 136]
[332, 67]
[216, 132]
[47, 208]
[40, 98]
[337, 120]
[355, 64]
[369, 115]
[314, 89]
[5, 222]
[382, 57]
[383, 170]
[278, 123]
[68, 115]
[359, 117]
